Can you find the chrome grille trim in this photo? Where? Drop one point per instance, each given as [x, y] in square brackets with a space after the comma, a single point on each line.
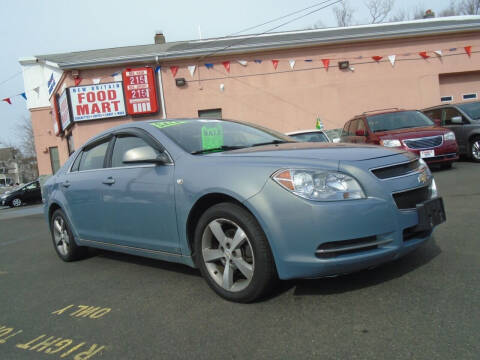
[424, 142]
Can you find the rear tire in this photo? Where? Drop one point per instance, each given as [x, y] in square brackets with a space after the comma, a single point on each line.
[233, 254]
[63, 240]
[475, 149]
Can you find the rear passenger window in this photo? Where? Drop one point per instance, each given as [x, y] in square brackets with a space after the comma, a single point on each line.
[122, 145]
[93, 158]
[345, 129]
[352, 128]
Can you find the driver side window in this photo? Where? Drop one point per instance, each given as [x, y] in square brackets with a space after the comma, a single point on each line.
[122, 145]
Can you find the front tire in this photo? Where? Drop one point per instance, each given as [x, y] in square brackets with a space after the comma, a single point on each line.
[17, 202]
[63, 240]
[475, 149]
[233, 254]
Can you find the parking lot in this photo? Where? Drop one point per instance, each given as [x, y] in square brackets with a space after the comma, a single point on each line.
[114, 306]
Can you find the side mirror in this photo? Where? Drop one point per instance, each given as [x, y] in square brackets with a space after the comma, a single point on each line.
[360, 132]
[456, 120]
[437, 122]
[145, 154]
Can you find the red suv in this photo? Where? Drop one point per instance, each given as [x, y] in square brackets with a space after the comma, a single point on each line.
[406, 129]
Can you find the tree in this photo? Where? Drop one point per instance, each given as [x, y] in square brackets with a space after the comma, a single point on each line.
[379, 10]
[469, 7]
[451, 10]
[343, 14]
[401, 15]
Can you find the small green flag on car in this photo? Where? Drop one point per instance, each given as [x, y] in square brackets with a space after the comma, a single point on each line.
[319, 124]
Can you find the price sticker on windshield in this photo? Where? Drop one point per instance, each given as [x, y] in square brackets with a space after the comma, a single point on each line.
[212, 137]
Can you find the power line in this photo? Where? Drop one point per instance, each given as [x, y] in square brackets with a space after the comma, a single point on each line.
[279, 18]
[10, 78]
[271, 29]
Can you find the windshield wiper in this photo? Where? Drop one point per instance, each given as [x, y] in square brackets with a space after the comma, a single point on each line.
[221, 148]
[273, 142]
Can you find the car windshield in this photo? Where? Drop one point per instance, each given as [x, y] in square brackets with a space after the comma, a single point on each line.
[314, 136]
[471, 109]
[398, 120]
[204, 136]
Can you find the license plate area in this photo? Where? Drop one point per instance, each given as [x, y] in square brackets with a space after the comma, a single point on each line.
[427, 154]
[430, 213]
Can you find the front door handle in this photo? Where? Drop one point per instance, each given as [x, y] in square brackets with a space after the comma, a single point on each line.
[66, 184]
[109, 181]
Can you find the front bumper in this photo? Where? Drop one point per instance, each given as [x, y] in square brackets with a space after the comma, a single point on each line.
[297, 229]
[447, 152]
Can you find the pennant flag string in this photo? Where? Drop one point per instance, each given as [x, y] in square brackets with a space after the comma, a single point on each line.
[468, 50]
[424, 54]
[391, 58]
[7, 100]
[191, 70]
[23, 95]
[78, 80]
[292, 63]
[174, 70]
[258, 61]
[326, 63]
[226, 65]
[275, 64]
[438, 52]
[243, 62]
[209, 65]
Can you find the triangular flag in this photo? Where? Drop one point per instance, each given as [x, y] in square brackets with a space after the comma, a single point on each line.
[326, 63]
[157, 69]
[438, 52]
[243, 62]
[424, 54]
[258, 61]
[174, 70]
[319, 124]
[292, 63]
[37, 90]
[392, 59]
[209, 65]
[23, 95]
[452, 49]
[308, 60]
[191, 69]
[78, 80]
[117, 77]
[468, 50]
[116, 73]
[275, 64]
[377, 58]
[226, 65]
[96, 81]
[7, 100]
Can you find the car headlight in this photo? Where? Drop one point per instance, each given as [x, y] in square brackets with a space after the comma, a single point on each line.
[391, 143]
[319, 185]
[449, 136]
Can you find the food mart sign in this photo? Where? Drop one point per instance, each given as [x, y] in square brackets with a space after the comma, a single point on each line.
[92, 102]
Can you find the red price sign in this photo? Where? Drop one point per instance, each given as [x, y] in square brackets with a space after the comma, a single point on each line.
[140, 93]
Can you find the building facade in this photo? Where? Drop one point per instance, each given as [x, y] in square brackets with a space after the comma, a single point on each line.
[284, 81]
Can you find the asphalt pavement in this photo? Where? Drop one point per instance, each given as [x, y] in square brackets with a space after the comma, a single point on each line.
[113, 306]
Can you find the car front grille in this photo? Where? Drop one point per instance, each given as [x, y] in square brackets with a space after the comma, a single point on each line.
[396, 170]
[336, 248]
[410, 198]
[424, 143]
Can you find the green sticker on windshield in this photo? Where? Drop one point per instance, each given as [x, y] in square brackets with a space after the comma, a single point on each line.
[212, 137]
[164, 124]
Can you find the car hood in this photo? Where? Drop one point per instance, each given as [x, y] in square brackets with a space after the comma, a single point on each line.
[314, 151]
[412, 133]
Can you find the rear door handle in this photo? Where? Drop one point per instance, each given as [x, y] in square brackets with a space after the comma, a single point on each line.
[109, 181]
[66, 184]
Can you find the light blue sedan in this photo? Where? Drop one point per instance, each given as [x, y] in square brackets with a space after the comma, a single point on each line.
[244, 204]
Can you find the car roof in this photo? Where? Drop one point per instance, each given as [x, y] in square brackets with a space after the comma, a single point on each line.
[449, 104]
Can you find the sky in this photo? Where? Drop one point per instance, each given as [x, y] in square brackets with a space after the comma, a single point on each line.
[34, 27]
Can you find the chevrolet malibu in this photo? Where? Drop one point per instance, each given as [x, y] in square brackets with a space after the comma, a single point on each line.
[244, 204]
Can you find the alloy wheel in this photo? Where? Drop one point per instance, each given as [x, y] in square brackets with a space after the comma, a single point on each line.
[476, 149]
[60, 234]
[228, 255]
[16, 202]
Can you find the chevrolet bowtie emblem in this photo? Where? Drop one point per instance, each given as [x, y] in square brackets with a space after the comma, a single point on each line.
[423, 177]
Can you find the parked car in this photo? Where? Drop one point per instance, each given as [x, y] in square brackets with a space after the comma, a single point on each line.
[464, 120]
[404, 129]
[314, 135]
[244, 204]
[28, 193]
